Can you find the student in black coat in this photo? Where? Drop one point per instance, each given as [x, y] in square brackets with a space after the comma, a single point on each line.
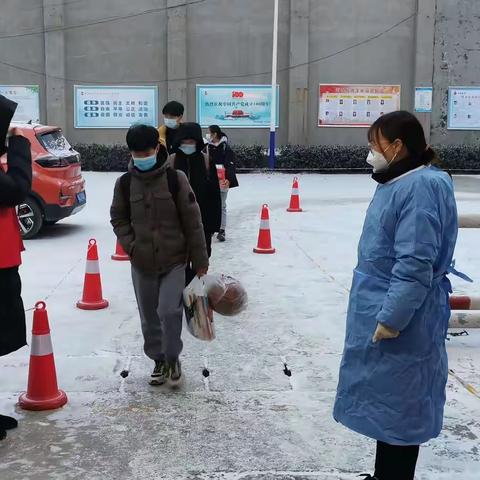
[221, 154]
[202, 174]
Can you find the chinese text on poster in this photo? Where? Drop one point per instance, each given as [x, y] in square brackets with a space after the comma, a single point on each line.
[235, 106]
[356, 105]
[115, 107]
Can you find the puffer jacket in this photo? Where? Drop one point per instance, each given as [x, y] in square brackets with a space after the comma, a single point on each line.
[159, 230]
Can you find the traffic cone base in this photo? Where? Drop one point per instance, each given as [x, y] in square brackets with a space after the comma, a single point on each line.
[294, 210]
[120, 258]
[92, 305]
[42, 391]
[266, 251]
[120, 255]
[48, 404]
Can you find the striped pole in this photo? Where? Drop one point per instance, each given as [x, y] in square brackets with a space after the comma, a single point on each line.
[273, 110]
[42, 392]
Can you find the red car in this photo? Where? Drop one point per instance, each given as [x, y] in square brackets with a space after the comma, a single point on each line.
[58, 188]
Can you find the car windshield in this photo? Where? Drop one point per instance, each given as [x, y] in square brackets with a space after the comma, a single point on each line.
[55, 143]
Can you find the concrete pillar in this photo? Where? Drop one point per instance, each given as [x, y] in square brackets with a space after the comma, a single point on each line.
[298, 77]
[55, 85]
[424, 53]
[177, 52]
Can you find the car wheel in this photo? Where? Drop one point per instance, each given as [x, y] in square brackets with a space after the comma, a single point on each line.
[30, 218]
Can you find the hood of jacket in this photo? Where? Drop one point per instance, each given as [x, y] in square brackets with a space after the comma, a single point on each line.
[189, 131]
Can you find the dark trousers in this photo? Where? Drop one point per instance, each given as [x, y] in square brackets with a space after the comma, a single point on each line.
[12, 314]
[189, 273]
[395, 462]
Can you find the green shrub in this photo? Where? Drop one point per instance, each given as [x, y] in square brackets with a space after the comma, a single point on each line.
[104, 158]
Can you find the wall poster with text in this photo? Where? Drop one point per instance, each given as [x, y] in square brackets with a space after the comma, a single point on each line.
[115, 107]
[342, 105]
[236, 106]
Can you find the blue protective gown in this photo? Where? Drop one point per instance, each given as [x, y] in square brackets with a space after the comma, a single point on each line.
[394, 391]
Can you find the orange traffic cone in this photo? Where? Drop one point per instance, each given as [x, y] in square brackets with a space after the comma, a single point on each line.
[92, 290]
[42, 392]
[264, 237]
[295, 198]
[120, 254]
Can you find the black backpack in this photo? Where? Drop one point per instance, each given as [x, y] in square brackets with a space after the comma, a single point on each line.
[172, 180]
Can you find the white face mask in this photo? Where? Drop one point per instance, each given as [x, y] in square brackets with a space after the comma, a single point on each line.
[377, 161]
[170, 123]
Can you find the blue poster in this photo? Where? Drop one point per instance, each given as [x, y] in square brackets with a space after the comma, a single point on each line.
[235, 106]
[115, 107]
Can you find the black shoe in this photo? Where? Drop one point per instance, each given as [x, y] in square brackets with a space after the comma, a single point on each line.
[221, 236]
[173, 372]
[158, 375]
[3, 434]
[7, 423]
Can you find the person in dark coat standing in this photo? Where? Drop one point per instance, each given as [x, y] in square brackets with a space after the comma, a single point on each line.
[15, 184]
[222, 155]
[202, 174]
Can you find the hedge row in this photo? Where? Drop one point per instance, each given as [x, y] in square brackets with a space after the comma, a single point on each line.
[104, 158]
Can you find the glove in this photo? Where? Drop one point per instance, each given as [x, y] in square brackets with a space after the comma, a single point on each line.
[384, 333]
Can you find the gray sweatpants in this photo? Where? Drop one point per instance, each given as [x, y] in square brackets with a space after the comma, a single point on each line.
[224, 195]
[159, 299]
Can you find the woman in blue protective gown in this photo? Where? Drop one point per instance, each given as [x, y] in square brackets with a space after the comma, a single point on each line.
[394, 366]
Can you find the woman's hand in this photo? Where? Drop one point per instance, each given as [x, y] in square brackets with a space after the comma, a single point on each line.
[384, 333]
[225, 184]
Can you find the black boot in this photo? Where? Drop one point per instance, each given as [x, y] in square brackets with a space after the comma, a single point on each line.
[221, 236]
[7, 423]
[3, 434]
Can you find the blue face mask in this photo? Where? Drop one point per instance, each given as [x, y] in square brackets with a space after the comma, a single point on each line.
[170, 123]
[144, 164]
[188, 149]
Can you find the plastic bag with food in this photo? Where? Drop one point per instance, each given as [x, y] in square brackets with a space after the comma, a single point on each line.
[226, 295]
[198, 313]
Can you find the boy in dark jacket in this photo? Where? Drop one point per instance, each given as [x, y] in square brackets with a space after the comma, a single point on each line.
[157, 220]
[172, 118]
[15, 185]
[202, 174]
